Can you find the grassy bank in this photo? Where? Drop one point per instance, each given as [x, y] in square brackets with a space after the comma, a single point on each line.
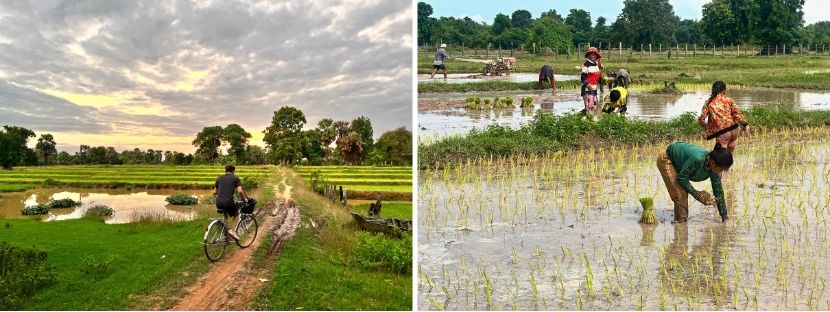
[790, 71]
[104, 267]
[389, 209]
[549, 133]
[365, 182]
[319, 268]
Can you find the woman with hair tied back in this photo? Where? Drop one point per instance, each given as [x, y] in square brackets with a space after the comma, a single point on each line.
[721, 118]
[683, 162]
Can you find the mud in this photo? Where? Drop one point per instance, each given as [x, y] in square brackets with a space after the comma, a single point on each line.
[546, 234]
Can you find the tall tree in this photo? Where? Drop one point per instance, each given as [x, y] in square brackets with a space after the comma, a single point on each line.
[395, 147]
[549, 31]
[207, 143]
[775, 22]
[688, 31]
[552, 14]
[237, 138]
[46, 146]
[601, 31]
[500, 24]
[363, 127]
[580, 22]
[13, 150]
[425, 22]
[521, 19]
[284, 138]
[646, 22]
[719, 23]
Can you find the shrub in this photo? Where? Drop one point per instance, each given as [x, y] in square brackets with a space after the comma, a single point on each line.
[249, 183]
[99, 211]
[182, 199]
[96, 266]
[380, 252]
[23, 272]
[63, 203]
[36, 209]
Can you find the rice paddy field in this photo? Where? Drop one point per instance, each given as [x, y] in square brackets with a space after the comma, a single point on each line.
[366, 182]
[560, 231]
[144, 176]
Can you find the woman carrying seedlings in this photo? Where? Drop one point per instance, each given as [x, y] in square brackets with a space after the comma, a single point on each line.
[591, 74]
[721, 118]
[683, 162]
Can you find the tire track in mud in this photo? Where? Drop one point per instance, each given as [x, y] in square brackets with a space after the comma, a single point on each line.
[232, 281]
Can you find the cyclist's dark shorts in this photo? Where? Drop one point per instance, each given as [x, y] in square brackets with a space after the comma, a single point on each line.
[439, 67]
[226, 205]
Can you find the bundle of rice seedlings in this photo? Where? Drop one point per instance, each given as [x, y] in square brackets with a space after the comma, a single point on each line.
[648, 216]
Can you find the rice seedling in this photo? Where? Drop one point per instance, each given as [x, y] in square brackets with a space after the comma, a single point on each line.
[566, 225]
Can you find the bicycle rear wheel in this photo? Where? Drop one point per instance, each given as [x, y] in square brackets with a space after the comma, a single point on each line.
[246, 230]
[215, 241]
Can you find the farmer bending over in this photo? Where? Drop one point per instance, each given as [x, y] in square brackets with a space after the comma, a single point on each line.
[226, 185]
[546, 75]
[615, 101]
[682, 162]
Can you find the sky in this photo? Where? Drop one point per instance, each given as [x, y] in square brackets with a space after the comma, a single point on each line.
[485, 11]
[152, 74]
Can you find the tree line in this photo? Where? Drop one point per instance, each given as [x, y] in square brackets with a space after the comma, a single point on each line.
[641, 22]
[331, 143]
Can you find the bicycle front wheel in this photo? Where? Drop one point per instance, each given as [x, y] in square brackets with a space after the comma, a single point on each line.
[215, 241]
[246, 230]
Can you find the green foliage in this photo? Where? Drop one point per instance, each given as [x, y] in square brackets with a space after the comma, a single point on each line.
[548, 132]
[251, 182]
[237, 138]
[99, 267]
[283, 138]
[99, 211]
[380, 252]
[13, 150]
[181, 199]
[395, 147]
[36, 209]
[648, 216]
[63, 203]
[22, 273]
[208, 141]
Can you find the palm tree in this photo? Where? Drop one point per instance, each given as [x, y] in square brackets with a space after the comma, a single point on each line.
[46, 145]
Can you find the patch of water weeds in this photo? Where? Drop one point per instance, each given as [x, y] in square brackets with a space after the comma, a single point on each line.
[560, 231]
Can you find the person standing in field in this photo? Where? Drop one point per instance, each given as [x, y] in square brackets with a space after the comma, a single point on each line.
[722, 119]
[683, 162]
[590, 77]
[546, 75]
[225, 187]
[438, 64]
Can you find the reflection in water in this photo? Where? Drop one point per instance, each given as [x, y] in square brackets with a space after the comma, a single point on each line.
[699, 272]
[651, 106]
[128, 205]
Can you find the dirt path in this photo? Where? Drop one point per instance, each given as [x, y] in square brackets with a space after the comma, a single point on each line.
[232, 282]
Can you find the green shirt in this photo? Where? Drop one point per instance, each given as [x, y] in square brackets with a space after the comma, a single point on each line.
[690, 162]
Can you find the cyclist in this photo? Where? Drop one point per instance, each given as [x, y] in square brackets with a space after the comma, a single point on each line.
[226, 185]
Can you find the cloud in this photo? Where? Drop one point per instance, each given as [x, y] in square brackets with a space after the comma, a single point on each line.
[152, 69]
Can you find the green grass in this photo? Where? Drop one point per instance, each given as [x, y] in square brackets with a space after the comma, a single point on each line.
[15, 187]
[389, 209]
[144, 256]
[548, 133]
[365, 182]
[747, 71]
[316, 269]
[181, 177]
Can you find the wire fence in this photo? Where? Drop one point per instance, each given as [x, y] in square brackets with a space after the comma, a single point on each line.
[620, 51]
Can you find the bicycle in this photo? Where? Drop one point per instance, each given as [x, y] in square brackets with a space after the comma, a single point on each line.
[216, 233]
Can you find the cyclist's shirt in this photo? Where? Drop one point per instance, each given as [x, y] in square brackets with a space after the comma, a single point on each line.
[226, 185]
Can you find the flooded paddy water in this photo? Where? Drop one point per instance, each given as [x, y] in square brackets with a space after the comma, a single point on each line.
[129, 205]
[561, 231]
[443, 114]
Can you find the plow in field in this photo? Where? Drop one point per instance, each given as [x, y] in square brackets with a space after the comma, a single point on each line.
[497, 67]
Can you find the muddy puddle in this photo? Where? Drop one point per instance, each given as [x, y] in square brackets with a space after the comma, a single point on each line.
[129, 205]
[556, 234]
[443, 114]
[478, 77]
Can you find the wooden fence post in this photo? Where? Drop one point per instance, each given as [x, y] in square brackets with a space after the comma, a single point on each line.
[621, 50]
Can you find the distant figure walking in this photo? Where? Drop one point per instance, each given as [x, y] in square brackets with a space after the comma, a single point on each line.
[721, 118]
[438, 64]
[546, 75]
